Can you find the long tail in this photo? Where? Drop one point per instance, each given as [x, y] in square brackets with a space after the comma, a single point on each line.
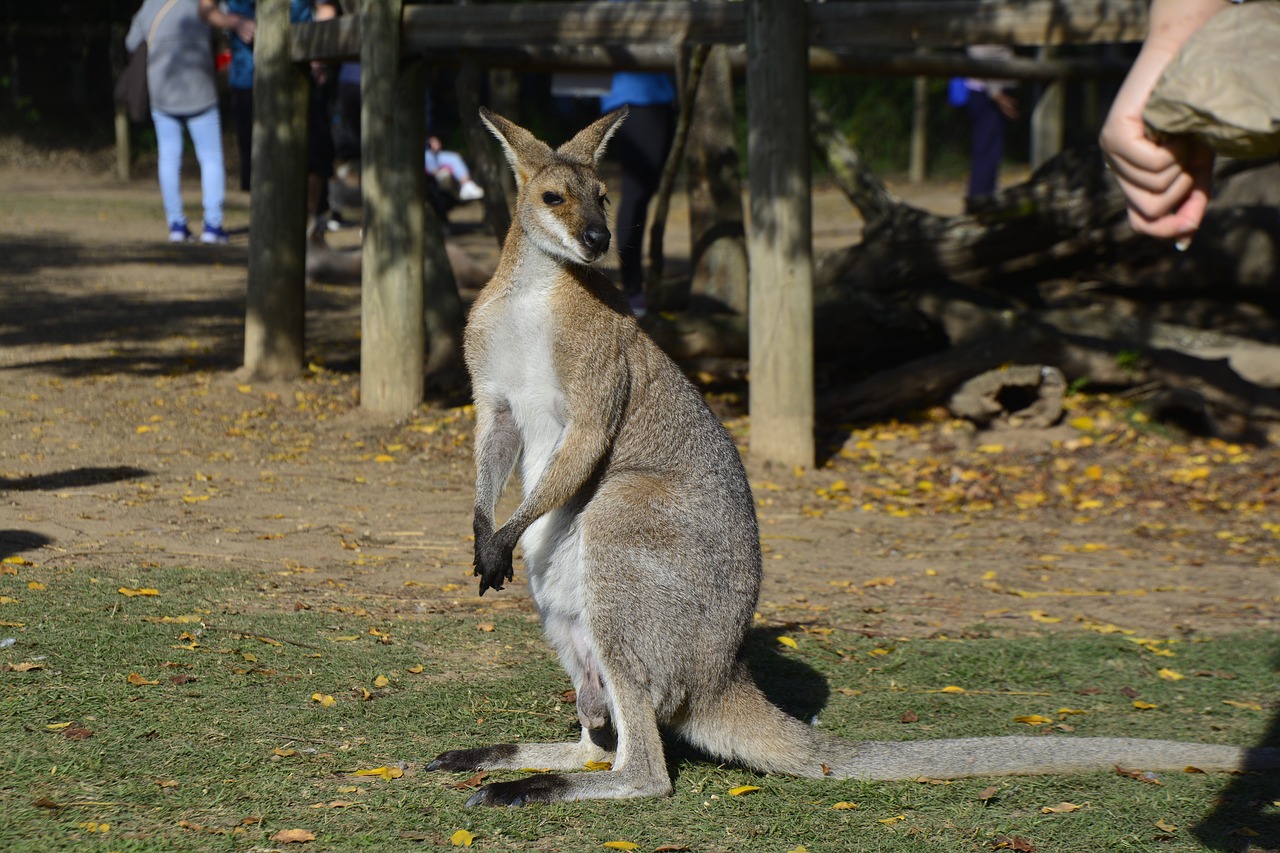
[747, 729]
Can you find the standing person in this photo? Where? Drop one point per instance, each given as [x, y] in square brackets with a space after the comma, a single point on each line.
[1166, 183]
[641, 145]
[240, 81]
[180, 77]
[990, 108]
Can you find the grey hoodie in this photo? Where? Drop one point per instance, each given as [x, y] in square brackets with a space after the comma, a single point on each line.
[179, 58]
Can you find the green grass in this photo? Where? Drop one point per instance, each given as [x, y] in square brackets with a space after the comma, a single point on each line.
[190, 763]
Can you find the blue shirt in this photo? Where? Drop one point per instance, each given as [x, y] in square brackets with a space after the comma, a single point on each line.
[639, 88]
[240, 75]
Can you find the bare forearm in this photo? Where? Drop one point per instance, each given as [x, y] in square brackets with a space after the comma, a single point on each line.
[1172, 22]
[215, 17]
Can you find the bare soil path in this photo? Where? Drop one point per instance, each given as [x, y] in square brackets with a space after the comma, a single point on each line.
[127, 441]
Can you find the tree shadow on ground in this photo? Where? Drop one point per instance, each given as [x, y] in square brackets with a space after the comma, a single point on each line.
[73, 478]
[16, 541]
[189, 326]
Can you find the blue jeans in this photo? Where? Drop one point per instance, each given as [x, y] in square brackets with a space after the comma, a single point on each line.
[206, 134]
[451, 160]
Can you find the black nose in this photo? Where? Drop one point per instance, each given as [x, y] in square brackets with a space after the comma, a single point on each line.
[596, 239]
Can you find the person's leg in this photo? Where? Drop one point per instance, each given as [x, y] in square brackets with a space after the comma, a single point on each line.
[988, 144]
[319, 149]
[206, 135]
[242, 116]
[453, 161]
[641, 145]
[346, 129]
[169, 167]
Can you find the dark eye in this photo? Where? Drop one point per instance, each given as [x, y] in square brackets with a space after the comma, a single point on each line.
[604, 200]
[552, 199]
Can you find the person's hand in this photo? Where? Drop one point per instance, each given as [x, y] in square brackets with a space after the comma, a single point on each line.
[1166, 183]
[245, 30]
[1007, 104]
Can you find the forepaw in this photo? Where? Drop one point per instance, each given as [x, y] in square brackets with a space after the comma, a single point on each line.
[493, 562]
[539, 788]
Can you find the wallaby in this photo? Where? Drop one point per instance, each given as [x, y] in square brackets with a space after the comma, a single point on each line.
[640, 535]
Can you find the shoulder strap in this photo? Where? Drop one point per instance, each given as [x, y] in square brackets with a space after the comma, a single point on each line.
[151, 34]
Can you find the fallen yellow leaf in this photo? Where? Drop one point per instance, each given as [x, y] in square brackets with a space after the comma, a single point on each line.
[131, 593]
[788, 642]
[1248, 706]
[621, 845]
[951, 688]
[138, 681]
[324, 699]
[462, 838]
[416, 669]
[743, 789]
[293, 836]
[1061, 808]
[1032, 720]
[598, 765]
[1166, 827]
[381, 681]
[844, 806]
[36, 585]
[387, 773]
[1143, 706]
[891, 820]
[25, 666]
[1170, 675]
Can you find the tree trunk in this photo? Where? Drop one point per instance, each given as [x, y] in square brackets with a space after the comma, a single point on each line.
[718, 237]
[488, 167]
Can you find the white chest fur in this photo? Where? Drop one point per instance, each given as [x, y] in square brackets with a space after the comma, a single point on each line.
[520, 371]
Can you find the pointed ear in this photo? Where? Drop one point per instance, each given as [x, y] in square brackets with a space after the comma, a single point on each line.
[525, 152]
[588, 146]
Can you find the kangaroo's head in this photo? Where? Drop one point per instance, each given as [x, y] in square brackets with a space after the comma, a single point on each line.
[561, 200]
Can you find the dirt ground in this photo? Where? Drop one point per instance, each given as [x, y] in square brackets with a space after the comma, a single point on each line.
[127, 440]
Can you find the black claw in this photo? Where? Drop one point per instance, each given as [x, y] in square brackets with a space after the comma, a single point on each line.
[541, 788]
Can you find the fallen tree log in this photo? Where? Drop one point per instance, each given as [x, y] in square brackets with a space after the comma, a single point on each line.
[1235, 402]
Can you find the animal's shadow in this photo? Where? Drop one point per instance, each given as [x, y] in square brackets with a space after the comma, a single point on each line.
[1246, 815]
[788, 682]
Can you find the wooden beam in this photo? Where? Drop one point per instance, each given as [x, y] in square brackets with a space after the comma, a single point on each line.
[393, 139]
[878, 63]
[275, 315]
[880, 25]
[779, 241]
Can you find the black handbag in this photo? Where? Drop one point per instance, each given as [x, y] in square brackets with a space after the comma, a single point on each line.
[131, 88]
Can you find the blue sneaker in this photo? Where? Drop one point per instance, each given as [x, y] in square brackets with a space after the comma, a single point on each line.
[213, 234]
[178, 233]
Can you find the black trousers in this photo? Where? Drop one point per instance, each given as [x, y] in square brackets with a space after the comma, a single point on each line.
[988, 144]
[320, 150]
[641, 146]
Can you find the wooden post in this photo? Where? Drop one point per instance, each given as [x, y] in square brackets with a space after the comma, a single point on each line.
[918, 165]
[275, 317]
[393, 139]
[780, 241]
[124, 152]
[1048, 118]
